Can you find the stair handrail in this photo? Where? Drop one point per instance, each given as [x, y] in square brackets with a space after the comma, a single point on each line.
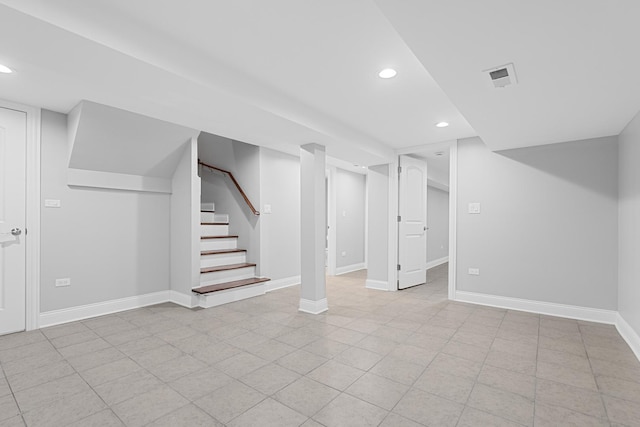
[235, 182]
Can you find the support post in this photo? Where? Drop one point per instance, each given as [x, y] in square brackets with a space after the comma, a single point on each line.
[313, 295]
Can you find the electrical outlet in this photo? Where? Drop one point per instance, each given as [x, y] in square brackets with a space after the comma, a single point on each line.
[474, 271]
[474, 208]
[51, 203]
[63, 282]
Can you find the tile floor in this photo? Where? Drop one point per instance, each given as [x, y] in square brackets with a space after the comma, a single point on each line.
[407, 358]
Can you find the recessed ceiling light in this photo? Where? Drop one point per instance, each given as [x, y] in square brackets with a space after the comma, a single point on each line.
[387, 73]
[442, 124]
[4, 69]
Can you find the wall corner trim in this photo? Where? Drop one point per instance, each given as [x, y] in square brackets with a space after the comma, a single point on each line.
[378, 285]
[350, 268]
[313, 307]
[285, 282]
[629, 335]
[540, 307]
[437, 262]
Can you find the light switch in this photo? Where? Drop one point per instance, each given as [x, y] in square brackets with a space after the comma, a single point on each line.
[474, 208]
[51, 203]
[267, 209]
[474, 271]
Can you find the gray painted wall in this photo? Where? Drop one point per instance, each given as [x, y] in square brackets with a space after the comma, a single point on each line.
[243, 160]
[112, 244]
[378, 226]
[280, 230]
[629, 225]
[350, 217]
[438, 223]
[548, 225]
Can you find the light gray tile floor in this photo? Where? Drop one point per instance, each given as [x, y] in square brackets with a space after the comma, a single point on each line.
[406, 358]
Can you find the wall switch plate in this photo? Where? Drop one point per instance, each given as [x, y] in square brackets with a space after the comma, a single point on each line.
[63, 282]
[474, 208]
[344, 253]
[474, 271]
[267, 209]
[51, 203]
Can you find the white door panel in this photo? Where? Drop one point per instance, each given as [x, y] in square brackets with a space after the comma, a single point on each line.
[412, 245]
[12, 220]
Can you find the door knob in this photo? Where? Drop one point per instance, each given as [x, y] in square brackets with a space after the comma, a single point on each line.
[16, 231]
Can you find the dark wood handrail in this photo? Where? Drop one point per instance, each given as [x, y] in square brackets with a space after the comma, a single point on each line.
[235, 182]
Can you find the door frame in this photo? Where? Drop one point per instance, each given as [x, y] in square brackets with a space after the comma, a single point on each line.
[32, 264]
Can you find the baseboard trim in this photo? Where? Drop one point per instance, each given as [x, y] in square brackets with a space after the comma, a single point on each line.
[629, 335]
[540, 307]
[273, 285]
[188, 301]
[350, 268]
[437, 262]
[378, 285]
[313, 307]
[72, 314]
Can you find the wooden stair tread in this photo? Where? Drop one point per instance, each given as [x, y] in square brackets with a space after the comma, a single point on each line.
[222, 251]
[229, 285]
[214, 223]
[218, 237]
[226, 267]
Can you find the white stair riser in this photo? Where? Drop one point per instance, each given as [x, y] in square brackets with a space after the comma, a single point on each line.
[227, 276]
[222, 259]
[213, 217]
[214, 230]
[215, 244]
[207, 217]
[231, 295]
[208, 206]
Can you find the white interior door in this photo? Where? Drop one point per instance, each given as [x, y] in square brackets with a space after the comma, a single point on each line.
[12, 220]
[412, 224]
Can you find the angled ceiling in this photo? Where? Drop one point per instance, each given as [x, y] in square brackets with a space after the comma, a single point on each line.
[288, 72]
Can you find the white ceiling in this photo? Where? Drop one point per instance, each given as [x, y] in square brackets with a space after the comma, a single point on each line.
[288, 72]
[576, 61]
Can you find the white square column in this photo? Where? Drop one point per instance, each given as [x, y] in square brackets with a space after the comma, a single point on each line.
[313, 293]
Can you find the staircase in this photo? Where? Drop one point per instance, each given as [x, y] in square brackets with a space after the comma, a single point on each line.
[225, 274]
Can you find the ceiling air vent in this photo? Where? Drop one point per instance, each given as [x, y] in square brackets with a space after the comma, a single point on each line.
[502, 76]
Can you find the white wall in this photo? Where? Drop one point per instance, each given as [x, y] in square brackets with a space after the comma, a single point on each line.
[629, 226]
[280, 230]
[438, 223]
[378, 226]
[350, 218]
[243, 160]
[548, 225]
[111, 244]
[185, 225]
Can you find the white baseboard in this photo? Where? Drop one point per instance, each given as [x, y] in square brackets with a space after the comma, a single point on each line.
[437, 262]
[272, 285]
[188, 301]
[313, 307]
[630, 336]
[56, 317]
[539, 307]
[350, 268]
[377, 285]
